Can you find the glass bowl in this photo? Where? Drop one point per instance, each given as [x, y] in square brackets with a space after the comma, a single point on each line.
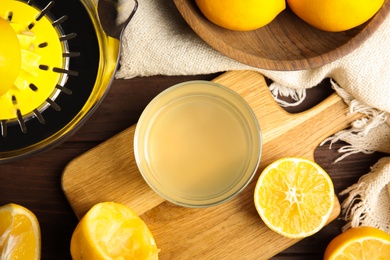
[197, 144]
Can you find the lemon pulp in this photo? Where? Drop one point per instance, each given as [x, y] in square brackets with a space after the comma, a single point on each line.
[294, 197]
[363, 242]
[20, 235]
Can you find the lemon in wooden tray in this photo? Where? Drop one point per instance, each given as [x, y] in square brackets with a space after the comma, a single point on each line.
[20, 235]
[112, 230]
[294, 197]
[335, 15]
[241, 15]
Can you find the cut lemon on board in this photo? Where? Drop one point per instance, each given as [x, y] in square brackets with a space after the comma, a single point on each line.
[20, 235]
[294, 197]
[359, 243]
[241, 15]
[111, 230]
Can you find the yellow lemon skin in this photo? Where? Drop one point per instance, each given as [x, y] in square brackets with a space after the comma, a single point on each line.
[335, 15]
[111, 230]
[10, 56]
[359, 243]
[241, 15]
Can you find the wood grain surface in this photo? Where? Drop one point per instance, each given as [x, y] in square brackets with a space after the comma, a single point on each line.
[108, 172]
[287, 43]
[35, 182]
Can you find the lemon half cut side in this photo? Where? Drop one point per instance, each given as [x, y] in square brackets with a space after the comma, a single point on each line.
[359, 243]
[10, 56]
[20, 235]
[294, 197]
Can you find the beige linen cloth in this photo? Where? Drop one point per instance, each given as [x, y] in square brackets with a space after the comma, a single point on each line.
[159, 42]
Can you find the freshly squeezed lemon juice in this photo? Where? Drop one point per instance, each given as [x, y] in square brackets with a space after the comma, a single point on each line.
[195, 144]
[198, 145]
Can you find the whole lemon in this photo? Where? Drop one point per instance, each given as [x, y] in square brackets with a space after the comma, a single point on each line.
[10, 56]
[241, 15]
[335, 15]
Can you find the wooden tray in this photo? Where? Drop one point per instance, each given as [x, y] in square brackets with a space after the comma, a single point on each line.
[232, 230]
[287, 43]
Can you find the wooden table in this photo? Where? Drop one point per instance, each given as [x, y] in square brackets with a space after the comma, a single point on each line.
[35, 182]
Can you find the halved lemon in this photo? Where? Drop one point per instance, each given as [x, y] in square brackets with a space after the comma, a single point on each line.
[20, 235]
[294, 197]
[111, 230]
[359, 243]
[10, 56]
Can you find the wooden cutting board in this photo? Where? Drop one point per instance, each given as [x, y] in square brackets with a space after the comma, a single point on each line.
[232, 230]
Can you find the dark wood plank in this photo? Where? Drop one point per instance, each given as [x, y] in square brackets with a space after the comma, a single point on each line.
[35, 182]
